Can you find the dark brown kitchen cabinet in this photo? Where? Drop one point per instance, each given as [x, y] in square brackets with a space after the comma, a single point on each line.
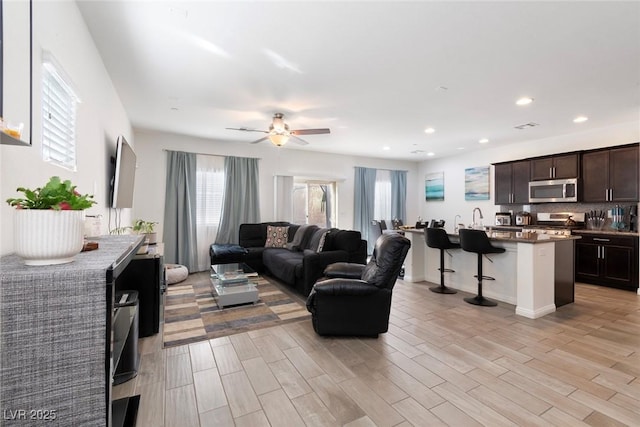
[554, 167]
[608, 260]
[512, 183]
[610, 175]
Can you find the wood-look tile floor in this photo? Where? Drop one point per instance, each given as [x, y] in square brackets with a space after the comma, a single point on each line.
[443, 362]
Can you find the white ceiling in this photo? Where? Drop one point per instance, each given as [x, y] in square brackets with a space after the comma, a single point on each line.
[377, 73]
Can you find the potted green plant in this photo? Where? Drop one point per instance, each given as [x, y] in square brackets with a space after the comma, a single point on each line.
[49, 222]
[147, 228]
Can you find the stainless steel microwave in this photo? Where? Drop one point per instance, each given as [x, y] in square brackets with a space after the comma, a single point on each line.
[554, 190]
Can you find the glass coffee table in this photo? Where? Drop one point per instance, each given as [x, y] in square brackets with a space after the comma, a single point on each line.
[233, 284]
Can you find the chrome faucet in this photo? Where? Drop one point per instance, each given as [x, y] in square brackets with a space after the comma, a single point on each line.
[456, 227]
[475, 224]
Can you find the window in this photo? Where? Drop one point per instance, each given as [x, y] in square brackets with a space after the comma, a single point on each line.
[382, 200]
[209, 189]
[209, 196]
[58, 116]
[314, 203]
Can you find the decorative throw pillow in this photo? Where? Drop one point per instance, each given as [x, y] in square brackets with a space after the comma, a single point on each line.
[296, 243]
[322, 240]
[318, 236]
[277, 237]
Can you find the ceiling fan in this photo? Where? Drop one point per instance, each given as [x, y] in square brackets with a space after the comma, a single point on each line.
[279, 133]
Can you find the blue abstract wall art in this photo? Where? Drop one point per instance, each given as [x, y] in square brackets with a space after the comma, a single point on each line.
[476, 183]
[434, 186]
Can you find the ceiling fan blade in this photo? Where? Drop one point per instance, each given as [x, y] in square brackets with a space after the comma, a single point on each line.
[259, 140]
[248, 130]
[298, 140]
[309, 131]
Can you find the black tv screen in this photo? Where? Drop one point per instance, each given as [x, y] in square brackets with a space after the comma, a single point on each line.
[124, 175]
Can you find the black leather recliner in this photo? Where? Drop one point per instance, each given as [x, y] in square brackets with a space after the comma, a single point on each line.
[355, 299]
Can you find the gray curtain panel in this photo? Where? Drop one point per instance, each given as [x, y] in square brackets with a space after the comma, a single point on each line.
[241, 202]
[364, 197]
[399, 195]
[179, 231]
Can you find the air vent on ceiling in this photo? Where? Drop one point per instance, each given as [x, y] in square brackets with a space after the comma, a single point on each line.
[527, 125]
[417, 151]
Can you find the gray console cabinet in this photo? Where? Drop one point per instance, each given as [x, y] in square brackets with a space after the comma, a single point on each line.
[56, 336]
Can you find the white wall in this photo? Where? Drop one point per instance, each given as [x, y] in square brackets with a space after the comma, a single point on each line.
[150, 175]
[453, 168]
[59, 28]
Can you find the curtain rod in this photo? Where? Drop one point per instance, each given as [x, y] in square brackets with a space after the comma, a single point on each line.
[210, 154]
[383, 169]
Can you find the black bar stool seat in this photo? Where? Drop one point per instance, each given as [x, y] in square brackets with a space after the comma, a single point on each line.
[477, 241]
[437, 238]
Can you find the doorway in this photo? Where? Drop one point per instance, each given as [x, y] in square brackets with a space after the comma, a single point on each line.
[314, 203]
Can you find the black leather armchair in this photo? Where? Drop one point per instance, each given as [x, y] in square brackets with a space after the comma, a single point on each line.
[355, 299]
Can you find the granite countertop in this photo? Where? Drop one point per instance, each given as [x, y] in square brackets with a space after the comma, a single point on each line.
[511, 236]
[505, 227]
[521, 237]
[607, 231]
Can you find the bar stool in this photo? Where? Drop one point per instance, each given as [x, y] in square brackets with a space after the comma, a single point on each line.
[437, 238]
[477, 241]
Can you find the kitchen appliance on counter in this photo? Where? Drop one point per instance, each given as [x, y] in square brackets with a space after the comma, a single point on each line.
[554, 190]
[523, 218]
[633, 218]
[503, 218]
[436, 224]
[556, 223]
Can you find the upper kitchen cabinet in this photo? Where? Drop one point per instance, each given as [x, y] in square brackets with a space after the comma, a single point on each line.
[610, 175]
[512, 182]
[563, 166]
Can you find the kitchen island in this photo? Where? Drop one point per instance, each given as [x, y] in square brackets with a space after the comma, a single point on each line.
[535, 273]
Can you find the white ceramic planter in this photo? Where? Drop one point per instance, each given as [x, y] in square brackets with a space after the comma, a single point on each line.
[45, 237]
[151, 238]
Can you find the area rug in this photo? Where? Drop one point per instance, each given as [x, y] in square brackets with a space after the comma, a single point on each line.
[191, 313]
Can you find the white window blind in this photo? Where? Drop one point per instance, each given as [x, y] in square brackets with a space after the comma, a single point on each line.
[209, 189]
[382, 201]
[58, 118]
[209, 197]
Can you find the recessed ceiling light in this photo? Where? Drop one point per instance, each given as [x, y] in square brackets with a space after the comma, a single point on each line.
[524, 101]
[460, 148]
[580, 119]
[429, 130]
[386, 148]
[431, 153]
[483, 141]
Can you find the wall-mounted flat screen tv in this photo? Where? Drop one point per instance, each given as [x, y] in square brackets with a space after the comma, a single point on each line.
[124, 175]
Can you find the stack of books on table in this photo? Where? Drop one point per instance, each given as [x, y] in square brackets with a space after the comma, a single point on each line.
[229, 278]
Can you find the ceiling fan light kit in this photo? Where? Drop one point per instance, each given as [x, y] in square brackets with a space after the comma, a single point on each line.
[279, 133]
[279, 139]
